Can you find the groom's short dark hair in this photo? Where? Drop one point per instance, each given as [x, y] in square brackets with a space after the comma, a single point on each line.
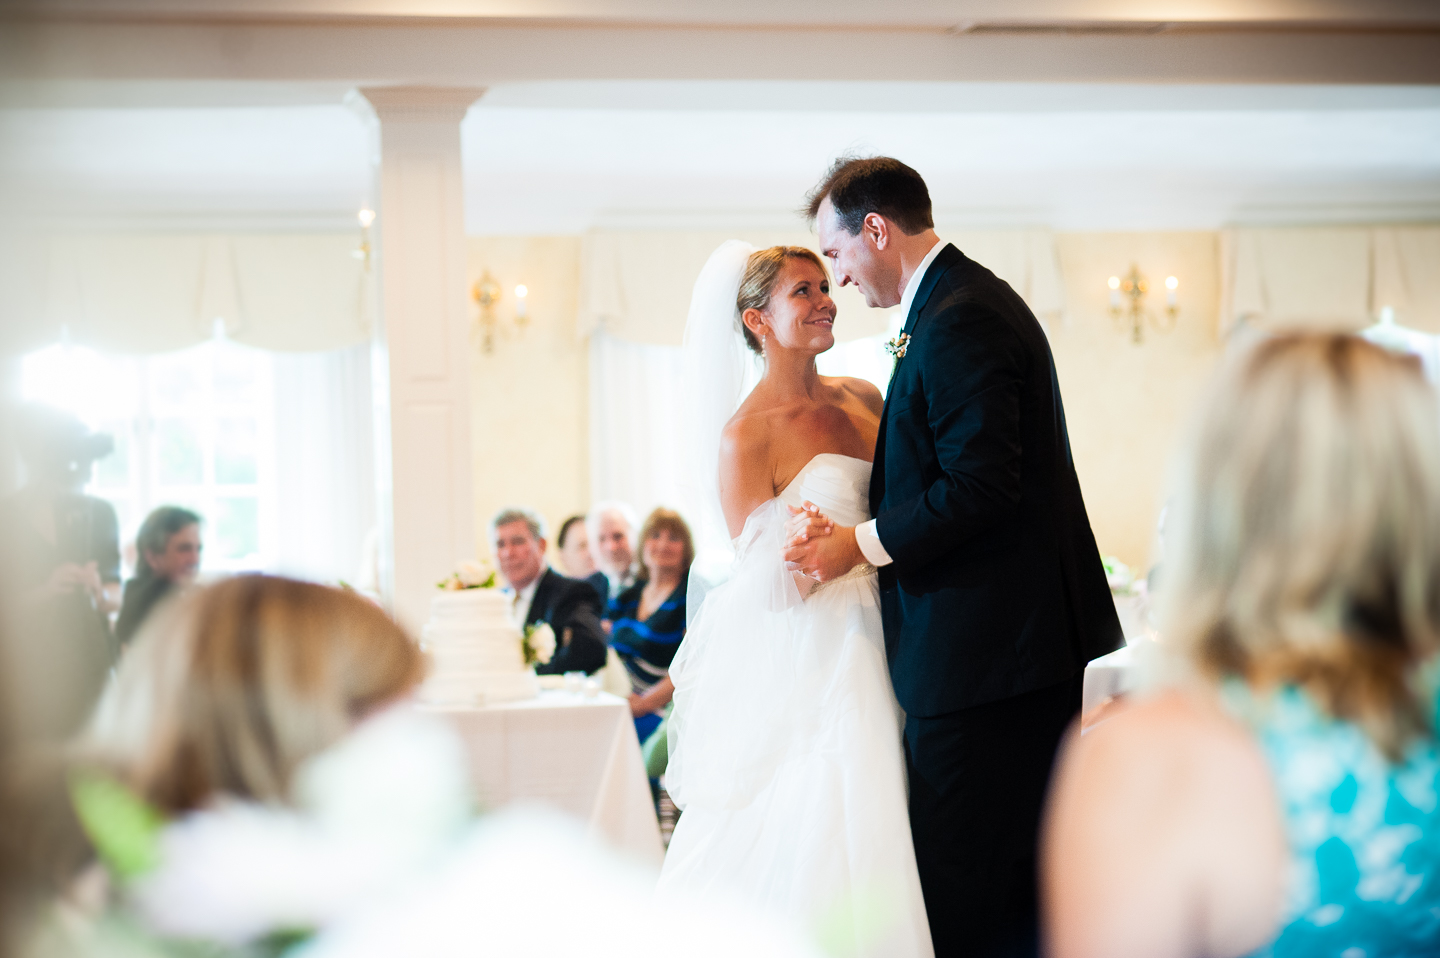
[859, 186]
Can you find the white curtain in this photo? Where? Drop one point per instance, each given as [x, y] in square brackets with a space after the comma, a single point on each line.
[1339, 278]
[324, 455]
[148, 293]
[635, 422]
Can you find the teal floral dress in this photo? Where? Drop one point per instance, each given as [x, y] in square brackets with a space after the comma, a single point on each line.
[1364, 833]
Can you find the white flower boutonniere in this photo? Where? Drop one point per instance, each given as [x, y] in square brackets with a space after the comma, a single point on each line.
[897, 346]
[539, 644]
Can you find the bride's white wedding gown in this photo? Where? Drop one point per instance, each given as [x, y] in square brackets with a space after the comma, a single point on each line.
[785, 749]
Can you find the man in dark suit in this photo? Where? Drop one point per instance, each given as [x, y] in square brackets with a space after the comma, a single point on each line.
[540, 594]
[992, 591]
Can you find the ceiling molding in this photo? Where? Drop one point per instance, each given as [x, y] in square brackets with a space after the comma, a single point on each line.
[467, 54]
[420, 102]
[1116, 16]
[742, 94]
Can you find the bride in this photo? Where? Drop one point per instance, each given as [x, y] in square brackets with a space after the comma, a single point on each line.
[785, 749]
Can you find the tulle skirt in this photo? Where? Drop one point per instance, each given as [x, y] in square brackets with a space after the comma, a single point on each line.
[785, 755]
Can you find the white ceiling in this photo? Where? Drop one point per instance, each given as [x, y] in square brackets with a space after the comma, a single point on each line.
[544, 158]
[917, 13]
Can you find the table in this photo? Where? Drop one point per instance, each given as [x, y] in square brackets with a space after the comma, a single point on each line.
[1108, 675]
[576, 753]
[1115, 673]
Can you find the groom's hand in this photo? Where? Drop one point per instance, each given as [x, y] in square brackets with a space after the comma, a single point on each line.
[826, 557]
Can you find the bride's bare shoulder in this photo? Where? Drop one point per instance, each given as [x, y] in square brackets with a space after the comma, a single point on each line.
[861, 389]
[746, 434]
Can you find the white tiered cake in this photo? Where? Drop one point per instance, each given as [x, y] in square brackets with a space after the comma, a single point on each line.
[476, 651]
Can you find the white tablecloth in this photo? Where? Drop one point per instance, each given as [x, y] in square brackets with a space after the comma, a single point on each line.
[577, 754]
[1108, 675]
[1115, 673]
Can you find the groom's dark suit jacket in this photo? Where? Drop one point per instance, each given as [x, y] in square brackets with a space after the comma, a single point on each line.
[996, 588]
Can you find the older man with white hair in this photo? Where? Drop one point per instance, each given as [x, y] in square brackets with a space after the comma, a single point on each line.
[612, 526]
[570, 607]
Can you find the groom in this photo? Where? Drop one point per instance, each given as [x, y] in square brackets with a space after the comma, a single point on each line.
[991, 587]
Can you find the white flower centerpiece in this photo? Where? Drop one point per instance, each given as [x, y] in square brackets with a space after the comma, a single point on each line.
[471, 574]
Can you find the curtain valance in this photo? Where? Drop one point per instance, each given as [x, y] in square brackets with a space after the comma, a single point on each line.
[149, 293]
[636, 285]
[1331, 278]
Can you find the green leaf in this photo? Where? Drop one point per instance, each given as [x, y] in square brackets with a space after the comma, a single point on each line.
[124, 828]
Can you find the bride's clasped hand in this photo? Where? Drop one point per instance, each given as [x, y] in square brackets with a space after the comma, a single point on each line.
[807, 554]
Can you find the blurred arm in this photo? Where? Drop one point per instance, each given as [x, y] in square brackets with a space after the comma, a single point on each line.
[1161, 838]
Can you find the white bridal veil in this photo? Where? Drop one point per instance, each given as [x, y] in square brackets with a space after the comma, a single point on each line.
[718, 372]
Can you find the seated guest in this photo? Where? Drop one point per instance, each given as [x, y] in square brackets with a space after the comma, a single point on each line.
[258, 720]
[648, 619]
[572, 609]
[167, 558]
[611, 527]
[574, 545]
[1283, 797]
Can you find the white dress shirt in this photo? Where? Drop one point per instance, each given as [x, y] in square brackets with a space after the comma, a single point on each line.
[620, 584]
[520, 603]
[866, 537]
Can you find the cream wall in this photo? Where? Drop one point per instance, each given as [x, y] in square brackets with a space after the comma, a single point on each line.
[530, 419]
[1126, 405]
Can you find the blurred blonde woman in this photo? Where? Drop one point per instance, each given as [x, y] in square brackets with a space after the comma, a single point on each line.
[300, 796]
[1284, 801]
[263, 719]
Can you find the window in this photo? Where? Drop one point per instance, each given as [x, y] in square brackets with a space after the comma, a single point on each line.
[192, 428]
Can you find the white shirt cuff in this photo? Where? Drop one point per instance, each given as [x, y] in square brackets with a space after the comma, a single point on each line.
[869, 542]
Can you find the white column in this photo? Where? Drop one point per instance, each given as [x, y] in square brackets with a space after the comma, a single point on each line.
[422, 345]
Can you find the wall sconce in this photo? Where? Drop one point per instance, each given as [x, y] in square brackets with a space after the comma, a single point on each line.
[1134, 315]
[362, 252]
[487, 293]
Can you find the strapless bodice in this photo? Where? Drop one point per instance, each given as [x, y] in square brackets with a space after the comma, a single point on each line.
[839, 485]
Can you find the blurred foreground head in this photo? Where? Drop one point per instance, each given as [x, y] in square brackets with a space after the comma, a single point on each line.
[230, 689]
[1307, 529]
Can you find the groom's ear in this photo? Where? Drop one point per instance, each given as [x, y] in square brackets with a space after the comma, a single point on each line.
[876, 229]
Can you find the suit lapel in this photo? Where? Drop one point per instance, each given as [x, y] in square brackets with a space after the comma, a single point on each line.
[538, 602]
[947, 257]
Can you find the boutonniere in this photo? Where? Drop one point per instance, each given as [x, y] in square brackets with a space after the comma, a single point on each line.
[897, 346]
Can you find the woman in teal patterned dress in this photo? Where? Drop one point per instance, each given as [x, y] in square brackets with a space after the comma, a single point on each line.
[1280, 796]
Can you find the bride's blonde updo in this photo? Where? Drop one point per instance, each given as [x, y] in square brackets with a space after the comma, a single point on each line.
[762, 271]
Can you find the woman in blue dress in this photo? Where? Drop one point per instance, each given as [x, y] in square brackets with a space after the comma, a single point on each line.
[648, 618]
[1281, 796]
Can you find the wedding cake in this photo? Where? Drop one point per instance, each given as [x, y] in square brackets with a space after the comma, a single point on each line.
[477, 653]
